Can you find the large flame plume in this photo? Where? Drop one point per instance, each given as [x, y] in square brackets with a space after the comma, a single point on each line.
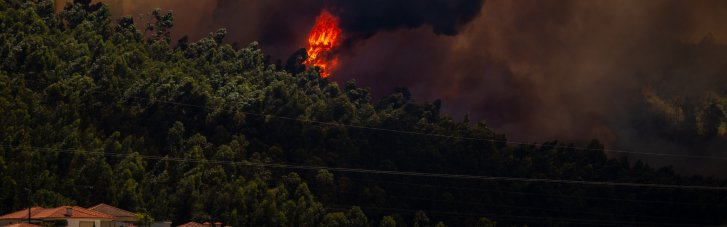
[322, 41]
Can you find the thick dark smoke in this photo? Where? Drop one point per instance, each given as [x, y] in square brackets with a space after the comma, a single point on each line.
[615, 70]
[363, 19]
[280, 26]
[569, 70]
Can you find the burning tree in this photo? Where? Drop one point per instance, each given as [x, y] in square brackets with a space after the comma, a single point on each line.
[322, 42]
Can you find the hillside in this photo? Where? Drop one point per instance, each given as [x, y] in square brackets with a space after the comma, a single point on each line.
[96, 110]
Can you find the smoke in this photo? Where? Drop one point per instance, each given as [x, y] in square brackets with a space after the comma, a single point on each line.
[568, 70]
[280, 26]
[616, 70]
[363, 19]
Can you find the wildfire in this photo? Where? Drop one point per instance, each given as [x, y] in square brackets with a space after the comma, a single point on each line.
[322, 40]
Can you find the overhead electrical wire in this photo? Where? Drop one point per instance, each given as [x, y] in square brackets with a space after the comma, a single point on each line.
[598, 222]
[622, 151]
[558, 211]
[480, 189]
[387, 172]
[723, 158]
[421, 174]
[445, 213]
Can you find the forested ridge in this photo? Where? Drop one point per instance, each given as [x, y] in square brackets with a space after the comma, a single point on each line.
[99, 110]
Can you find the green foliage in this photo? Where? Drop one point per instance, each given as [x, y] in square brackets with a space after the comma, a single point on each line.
[357, 217]
[144, 219]
[421, 219]
[93, 113]
[387, 221]
[161, 28]
[484, 222]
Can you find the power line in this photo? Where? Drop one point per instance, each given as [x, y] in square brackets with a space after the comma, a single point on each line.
[723, 158]
[387, 172]
[540, 219]
[539, 194]
[273, 165]
[622, 151]
[559, 211]
[77, 151]
[529, 207]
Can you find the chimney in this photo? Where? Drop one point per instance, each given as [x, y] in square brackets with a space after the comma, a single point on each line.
[218, 224]
[207, 224]
[69, 211]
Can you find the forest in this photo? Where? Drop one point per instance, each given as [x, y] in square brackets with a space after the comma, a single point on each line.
[100, 110]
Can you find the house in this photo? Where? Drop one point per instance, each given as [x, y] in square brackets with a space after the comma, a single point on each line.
[18, 216]
[73, 216]
[101, 215]
[121, 217]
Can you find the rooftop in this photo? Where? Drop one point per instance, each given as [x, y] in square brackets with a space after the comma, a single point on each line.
[192, 224]
[21, 214]
[60, 212]
[113, 211]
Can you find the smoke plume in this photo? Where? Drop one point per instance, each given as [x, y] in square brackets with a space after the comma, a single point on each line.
[363, 19]
[573, 70]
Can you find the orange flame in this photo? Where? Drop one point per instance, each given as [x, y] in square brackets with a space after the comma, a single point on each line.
[322, 40]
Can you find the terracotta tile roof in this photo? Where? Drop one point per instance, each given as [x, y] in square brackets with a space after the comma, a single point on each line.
[22, 224]
[77, 212]
[113, 211]
[192, 224]
[21, 214]
[56, 213]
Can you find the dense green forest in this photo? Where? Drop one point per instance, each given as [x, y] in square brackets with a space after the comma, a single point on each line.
[99, 110]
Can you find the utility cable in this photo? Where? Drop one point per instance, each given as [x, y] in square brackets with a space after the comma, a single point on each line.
[388, 172]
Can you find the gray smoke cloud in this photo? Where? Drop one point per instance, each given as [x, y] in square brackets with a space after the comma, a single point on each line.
[570, 70]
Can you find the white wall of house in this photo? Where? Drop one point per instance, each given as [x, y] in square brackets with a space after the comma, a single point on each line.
[115, 224]
[83, 222]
